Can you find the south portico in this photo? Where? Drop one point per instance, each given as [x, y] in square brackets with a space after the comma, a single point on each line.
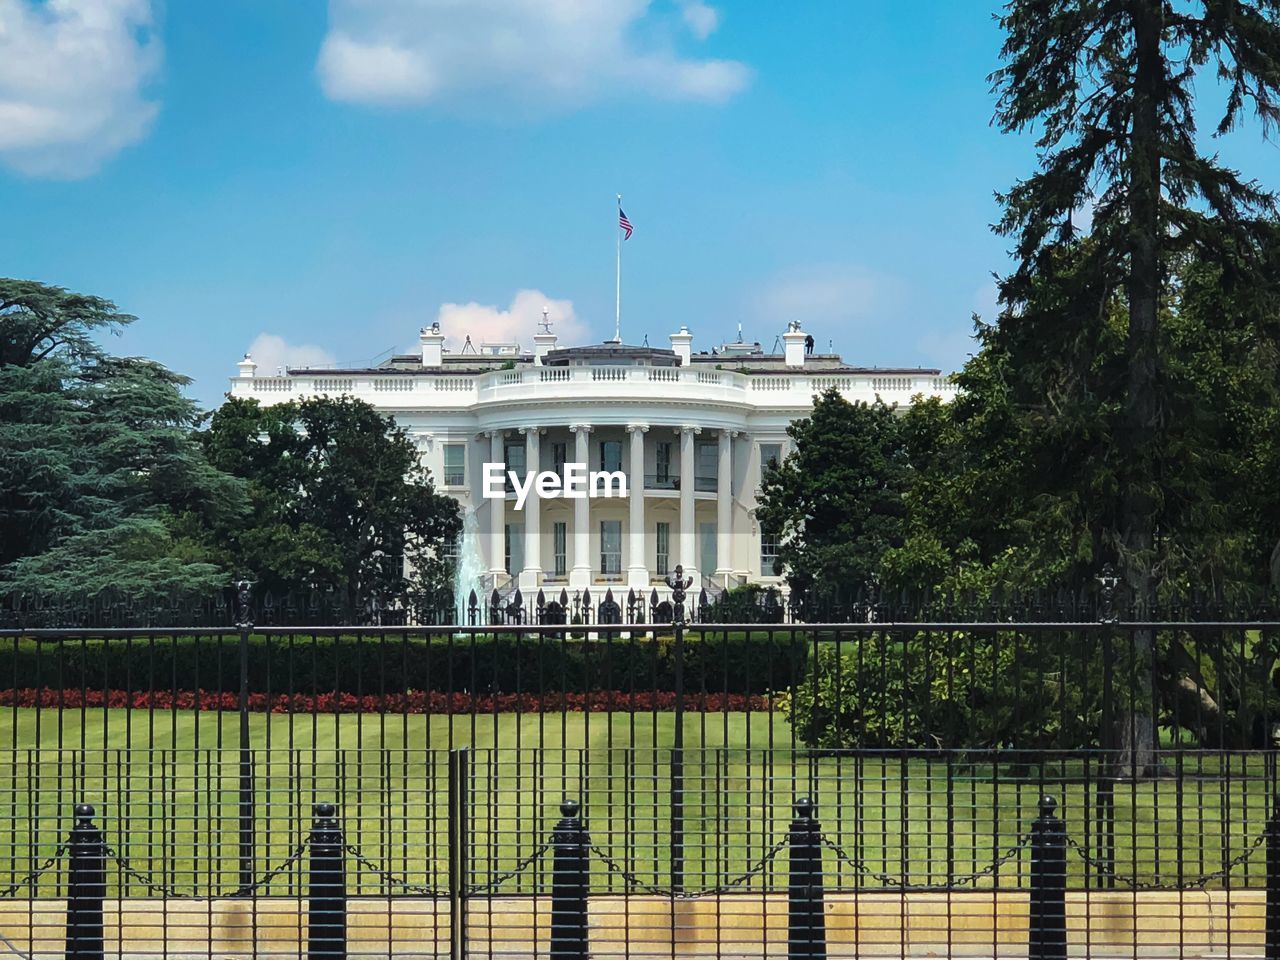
[679, 507]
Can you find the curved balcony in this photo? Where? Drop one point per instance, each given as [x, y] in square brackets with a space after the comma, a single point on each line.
[430, 389]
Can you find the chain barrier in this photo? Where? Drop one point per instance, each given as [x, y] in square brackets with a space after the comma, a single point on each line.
[899, 884]
[30, 879]
[154, 886]
[394, 881]
[1195, 883]
[515, 871]
[632, 880]
[389, 878]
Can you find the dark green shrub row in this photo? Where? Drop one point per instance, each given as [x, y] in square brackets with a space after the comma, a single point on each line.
[370, 665]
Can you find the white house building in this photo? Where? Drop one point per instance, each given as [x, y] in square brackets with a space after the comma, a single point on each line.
[691, 431]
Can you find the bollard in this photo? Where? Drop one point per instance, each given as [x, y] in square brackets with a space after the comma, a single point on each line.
[1272, 942]
[1048, 922]
[327, 895]
[806, 924]
[86, 887]
[569, 842]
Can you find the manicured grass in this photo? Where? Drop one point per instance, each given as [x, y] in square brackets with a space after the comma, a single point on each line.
[172, 809]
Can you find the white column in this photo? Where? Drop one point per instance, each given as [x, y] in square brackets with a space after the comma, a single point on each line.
[724, 507]
[497, 514]
[580, 572]
[531, 575]
[688, 526]
[637, 572]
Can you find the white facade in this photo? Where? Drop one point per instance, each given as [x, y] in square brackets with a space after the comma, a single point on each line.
[690, 430]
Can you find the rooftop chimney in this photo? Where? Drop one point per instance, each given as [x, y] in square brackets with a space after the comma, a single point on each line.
[432, 345]
[682, 344]
[793, 341]
[544, 341]
[247, 366]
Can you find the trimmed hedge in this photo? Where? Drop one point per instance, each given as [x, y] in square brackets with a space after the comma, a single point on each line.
[373, 665]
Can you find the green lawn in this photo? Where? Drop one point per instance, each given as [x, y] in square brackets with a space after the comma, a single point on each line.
[173, 809]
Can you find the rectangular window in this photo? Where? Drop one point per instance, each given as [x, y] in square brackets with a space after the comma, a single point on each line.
[610, 455]
[514, 458]
[611, 547]
[450, 549]
[559, 540]
[770, 458]
[768, 554]
[455, 464]
[664, 548]
[662, 467]
[513, 544]
[707, 547]
[559, 457]
[705, 460]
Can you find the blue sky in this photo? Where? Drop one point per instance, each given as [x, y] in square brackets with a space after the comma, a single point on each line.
[332, 177]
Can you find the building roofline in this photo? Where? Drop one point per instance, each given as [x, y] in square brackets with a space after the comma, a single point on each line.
[497, 365]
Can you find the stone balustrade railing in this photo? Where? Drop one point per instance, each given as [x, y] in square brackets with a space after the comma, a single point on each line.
[696, 383]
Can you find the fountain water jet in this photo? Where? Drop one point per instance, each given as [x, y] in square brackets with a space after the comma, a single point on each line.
[469, 566]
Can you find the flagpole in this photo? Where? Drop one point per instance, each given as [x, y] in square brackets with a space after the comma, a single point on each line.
[617, 317]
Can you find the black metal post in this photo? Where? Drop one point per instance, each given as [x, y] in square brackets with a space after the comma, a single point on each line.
[569, 841]
[244, 621]
[806, 924]
[677, 766]
[1048, 924]
[1105, 802]
[459, 840]
[678, 583]
[86, 888]
[327, 894]
[1272, 948]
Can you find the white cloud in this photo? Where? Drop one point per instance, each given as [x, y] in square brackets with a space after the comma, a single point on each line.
[701, 18]
[824, 295]
[366, 71]
[517, 323]
[272, 353]
[526, 51]
[72, 79]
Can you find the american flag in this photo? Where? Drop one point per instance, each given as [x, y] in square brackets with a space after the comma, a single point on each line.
[624, 224]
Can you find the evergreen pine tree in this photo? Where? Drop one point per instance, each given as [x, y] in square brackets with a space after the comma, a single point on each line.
[1109, 85]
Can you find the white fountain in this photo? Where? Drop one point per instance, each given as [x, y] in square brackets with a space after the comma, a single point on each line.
[470, 568]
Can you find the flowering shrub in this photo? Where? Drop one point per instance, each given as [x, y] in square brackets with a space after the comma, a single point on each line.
[414, 702]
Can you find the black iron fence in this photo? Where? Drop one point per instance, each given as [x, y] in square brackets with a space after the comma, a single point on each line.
[925, 745]
[677, 598]
[895, 820]
[1021, 869]
[1134, 687]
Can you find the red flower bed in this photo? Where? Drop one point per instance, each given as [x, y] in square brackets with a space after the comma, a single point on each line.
[423, 702]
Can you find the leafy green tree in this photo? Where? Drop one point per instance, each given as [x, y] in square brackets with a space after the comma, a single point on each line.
[1015, 484]
[836, 501]
[953, 689]
[1109, 85]
[340, 503]
[100, 478]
